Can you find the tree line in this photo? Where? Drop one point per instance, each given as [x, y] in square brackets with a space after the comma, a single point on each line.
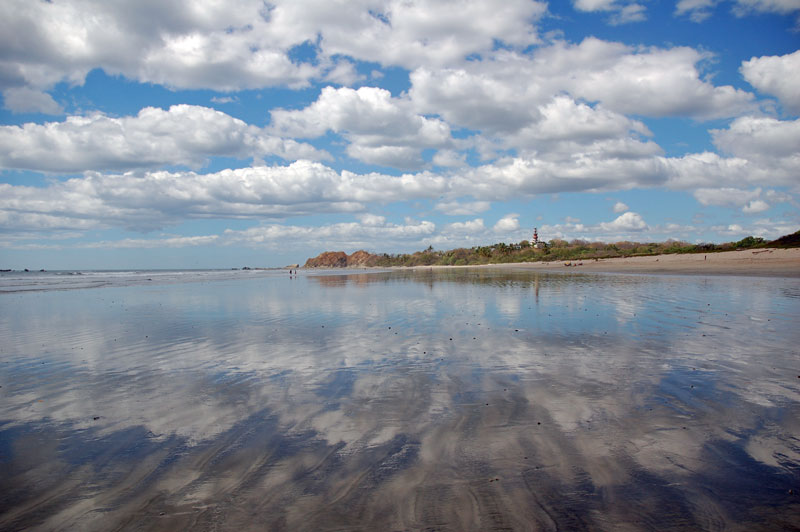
[558, 249]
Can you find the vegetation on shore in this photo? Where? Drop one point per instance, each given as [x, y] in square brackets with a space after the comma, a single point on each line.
[553, 250]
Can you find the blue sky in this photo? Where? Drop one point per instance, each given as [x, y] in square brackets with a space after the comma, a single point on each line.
[211, 134]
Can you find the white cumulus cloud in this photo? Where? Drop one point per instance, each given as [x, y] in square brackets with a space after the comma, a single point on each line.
[628, 226]
[242, 44]
[29, 100]
[506, 224]
[346, 235]
[630, 221]
[413, 32]
[776, 75]
[470, 227]
[505, 92]
[700, 10]
[449, 158]
[759, 138]
[622, 12]
[755, 206]
[380, 129]
[457, 208]
[726, 197]
[563, 123]
[744, 7]
[154, 199]
[183, 134]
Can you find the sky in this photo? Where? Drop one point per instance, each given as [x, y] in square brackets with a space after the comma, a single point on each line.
[216, 134]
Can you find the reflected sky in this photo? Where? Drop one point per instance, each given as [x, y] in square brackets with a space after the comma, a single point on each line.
[450, 400]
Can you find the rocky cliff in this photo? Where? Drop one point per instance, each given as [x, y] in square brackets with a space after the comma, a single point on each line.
[339, 259]
[361, 258]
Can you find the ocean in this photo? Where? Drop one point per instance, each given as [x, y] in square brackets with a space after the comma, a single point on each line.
[453, 399]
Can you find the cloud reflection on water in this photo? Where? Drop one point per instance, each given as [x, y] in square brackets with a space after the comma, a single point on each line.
[459, 399]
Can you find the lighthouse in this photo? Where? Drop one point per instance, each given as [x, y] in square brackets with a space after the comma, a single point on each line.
[535, 240]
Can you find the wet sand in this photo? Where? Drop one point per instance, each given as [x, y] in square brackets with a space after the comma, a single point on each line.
[760, 262]
[478, 399]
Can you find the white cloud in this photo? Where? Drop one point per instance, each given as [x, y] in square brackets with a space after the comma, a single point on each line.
[184, 134]
[141, 243]
[700, 10]
[449, 158]
[710, 170]
[489, 98]
[27, 100]
[628, 226]
[726, 197]
[755, 206]
[765, 152]
[456, 208]
[504, 92]
[655, 82]
[409, 33]
[613, 231]
[776, 75]
[514, 177]
[732, 229]
[776, 196]
[750, 201]
[471, 227]
[765, 228]
[404, 157]
[198, 44]
[224, 99]
[20, 215]
[594, 5]
[342, 72]
[629, 221]
[563, 120]
[623, 12]
[151, 200]
[673, 228]
[744, 7]
[569, 133]
[372, 220]
[247, 44]
[629, 13]
[380, 129]
[556, 117]
[348, 235]
[760, 138]
[506, 224]
[620, 207]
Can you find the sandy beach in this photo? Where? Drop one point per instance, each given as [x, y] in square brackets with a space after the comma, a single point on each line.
[757, 262]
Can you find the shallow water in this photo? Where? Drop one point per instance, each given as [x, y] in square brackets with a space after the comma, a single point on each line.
[433, 400]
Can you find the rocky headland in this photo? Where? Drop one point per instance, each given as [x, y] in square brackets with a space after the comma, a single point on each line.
[340, 259]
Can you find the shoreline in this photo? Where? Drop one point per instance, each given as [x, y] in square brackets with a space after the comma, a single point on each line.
[766, 262]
